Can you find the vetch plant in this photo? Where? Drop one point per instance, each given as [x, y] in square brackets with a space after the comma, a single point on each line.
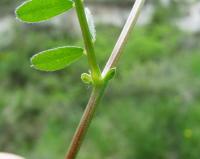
[34, 11]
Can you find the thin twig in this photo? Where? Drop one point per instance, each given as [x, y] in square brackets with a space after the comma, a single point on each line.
[122, 40]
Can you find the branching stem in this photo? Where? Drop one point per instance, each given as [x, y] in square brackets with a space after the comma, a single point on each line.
[98, 90]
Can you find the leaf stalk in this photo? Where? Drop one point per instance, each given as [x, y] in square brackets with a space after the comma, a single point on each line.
[95, 70]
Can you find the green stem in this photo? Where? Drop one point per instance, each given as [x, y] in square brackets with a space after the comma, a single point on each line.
[86, 119]
[96, 73]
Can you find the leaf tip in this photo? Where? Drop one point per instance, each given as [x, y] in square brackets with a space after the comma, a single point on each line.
[18, 10]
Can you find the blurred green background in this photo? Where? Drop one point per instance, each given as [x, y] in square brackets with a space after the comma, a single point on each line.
[150, 111]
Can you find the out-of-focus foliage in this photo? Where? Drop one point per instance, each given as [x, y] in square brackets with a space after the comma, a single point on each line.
[151, 110]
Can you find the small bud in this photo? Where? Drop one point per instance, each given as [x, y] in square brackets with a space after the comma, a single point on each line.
[86, 78]
[110, 75]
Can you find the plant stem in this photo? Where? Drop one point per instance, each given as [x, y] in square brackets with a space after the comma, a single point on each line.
[83, 126]
[122, 40]
[96, 73]
[98, 91]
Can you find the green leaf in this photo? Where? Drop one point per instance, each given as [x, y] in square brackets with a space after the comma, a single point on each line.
[110, 75]
[56, 59]
[91, 24]
[40, 10]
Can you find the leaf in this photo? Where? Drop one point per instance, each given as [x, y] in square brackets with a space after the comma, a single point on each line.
[56, 59]
[110, 75]
[40, 10]
[91, 24]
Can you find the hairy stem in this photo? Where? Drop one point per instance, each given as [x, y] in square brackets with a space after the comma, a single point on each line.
[96, 73]
[98, 91]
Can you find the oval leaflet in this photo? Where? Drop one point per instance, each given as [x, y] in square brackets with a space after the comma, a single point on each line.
[40, 10]
[56, 59]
